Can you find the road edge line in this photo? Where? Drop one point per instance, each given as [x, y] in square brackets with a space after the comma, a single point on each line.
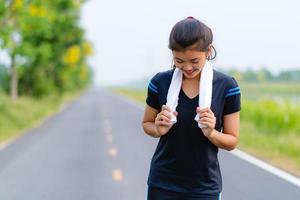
[266, 166]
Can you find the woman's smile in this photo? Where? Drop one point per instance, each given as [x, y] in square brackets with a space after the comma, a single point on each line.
[190, 73]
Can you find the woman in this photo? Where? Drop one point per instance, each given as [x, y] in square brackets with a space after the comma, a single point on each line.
[185, 163]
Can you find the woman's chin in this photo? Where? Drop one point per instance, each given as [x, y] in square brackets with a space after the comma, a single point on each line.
[192, 75]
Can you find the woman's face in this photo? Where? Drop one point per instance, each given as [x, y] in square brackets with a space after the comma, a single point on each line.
[190, 62]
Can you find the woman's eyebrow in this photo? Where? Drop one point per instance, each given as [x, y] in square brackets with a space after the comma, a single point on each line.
[179, 59]
[183, 60]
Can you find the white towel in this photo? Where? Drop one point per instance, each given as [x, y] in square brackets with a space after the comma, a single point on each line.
[205, 90]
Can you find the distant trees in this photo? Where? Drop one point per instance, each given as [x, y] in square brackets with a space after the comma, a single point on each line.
[46, 46]
[264, 75]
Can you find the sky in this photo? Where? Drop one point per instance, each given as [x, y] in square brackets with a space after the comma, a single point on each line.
[130, 37]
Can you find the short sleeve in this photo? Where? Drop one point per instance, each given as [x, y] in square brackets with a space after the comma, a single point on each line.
[152, 93]
[232, 97]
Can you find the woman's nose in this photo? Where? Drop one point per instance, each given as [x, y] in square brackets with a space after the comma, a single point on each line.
[188, 67]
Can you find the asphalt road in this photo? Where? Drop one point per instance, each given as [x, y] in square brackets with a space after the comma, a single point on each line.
[96, 149]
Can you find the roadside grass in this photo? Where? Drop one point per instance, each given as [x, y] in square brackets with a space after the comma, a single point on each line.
[27, 112]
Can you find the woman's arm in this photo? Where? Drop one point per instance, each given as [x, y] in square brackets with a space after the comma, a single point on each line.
[157, 124]
[149, 121]
[230, 137]
[231, 125]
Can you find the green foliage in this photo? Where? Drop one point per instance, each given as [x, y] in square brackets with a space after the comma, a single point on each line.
[272, 117]
[264, 75]
[47, 32]
[292, 75]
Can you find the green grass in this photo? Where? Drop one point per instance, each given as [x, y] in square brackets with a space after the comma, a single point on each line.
[271, 116]
[281, 150]
[270, 129]
[28, 112]
[136, 94]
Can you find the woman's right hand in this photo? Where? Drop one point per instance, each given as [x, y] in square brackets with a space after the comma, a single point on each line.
[163, 120]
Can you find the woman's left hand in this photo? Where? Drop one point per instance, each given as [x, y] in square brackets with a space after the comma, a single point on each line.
[206, 117]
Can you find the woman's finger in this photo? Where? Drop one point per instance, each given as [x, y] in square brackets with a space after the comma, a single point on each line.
[207, 119]
[164, 118]
[203, 110]
[167, 114]
[163, 123]
[165, 107]
[206, 114]
[211, 112]
[208, 124]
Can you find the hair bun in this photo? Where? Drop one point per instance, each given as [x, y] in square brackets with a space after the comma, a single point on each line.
[190, 17]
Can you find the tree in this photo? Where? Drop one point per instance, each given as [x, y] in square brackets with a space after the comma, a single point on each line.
[11, 10]
[249, 76]
[289, 75]
[46, 46]
[264, 75]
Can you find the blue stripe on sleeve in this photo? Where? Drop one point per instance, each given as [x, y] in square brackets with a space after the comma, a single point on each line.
[232, 93]
[233, 89]
[153, 86]
[152, 89]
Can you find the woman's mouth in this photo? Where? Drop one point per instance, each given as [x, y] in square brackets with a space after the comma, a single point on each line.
[190, 72]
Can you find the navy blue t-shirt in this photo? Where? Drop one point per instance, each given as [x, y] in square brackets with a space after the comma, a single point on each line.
[184, 159]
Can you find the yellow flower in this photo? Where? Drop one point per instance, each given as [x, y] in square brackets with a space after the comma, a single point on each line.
[37, 11]
[17, 5]
[33, 10]
[72, 55]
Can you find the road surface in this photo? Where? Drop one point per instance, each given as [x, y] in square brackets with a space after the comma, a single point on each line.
[96, 149]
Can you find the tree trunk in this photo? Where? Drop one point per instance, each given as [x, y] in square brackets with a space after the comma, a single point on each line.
[13, 80]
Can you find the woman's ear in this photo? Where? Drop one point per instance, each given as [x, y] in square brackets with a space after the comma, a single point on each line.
[209, 52]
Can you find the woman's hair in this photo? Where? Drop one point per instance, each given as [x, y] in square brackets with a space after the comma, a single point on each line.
[190, 33]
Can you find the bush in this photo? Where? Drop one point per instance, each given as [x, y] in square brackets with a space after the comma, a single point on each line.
[271, 116]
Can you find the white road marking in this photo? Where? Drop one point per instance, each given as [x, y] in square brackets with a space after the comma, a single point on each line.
[113, 151]
[117, 175]
[238, 153]
[263, 165]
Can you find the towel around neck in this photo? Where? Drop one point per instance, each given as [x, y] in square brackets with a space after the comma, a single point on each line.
[205, 90]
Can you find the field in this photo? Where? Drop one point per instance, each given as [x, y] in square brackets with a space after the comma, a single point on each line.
[270, 116]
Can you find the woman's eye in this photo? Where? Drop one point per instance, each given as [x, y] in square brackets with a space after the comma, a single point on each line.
[195, 62]
[179, 61]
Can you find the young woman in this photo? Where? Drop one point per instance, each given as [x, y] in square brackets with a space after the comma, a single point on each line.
[185, 164]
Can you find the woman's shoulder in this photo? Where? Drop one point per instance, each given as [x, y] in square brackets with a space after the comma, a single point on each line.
[224, 79]
[162, 76]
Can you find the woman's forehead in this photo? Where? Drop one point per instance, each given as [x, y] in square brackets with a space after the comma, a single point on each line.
[189, 54]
